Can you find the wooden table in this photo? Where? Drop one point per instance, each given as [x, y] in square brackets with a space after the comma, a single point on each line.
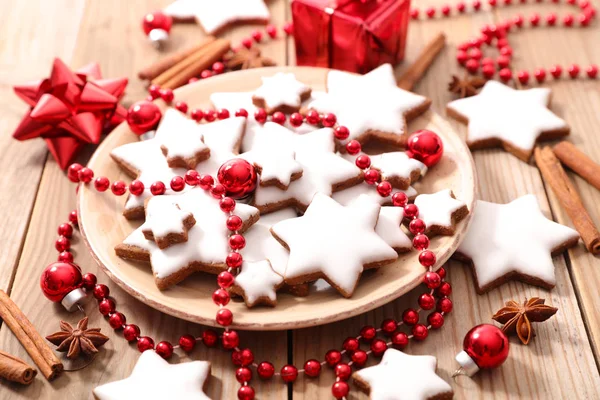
[561, 362]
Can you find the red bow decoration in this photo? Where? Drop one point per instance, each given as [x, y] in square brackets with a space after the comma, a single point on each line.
[70, 108]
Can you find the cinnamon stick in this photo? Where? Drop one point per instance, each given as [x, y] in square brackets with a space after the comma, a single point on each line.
[154, 70]
[16, 370]
[415, 72]
[555, 176]
[32, 341]
[181, 72]
[576, 160]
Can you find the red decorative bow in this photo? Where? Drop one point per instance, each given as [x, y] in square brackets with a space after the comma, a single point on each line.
[70, 108]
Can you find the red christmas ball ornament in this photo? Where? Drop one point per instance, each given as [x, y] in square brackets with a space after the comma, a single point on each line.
[485, 346]
[425, 146]
[239, 178]
[61, 282]
[156, 26]
[143, 116]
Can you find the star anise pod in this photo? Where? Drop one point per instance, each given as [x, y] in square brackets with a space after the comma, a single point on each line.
[244, 58]
[517, 318]
[466, 87]
[77, 340]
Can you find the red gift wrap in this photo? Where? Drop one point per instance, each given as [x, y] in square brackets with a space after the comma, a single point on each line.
[351, 35]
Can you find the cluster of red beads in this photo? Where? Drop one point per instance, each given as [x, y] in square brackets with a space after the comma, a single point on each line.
[435, 299]
[471, 57]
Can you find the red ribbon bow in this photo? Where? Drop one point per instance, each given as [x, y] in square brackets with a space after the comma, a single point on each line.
[70, 108]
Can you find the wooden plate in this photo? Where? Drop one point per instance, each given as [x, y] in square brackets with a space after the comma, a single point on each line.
[103, 227]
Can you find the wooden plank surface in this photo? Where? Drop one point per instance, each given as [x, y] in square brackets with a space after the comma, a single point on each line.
[558, 363]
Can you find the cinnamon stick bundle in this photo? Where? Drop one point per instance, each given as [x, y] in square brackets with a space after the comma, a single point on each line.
[576, 160]
[554, 174]
[16, 370]
[154, 70]
[32, 341]
[191, 66]
[415, 72]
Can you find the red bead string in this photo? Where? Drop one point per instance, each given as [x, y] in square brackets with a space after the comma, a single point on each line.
[378, 340]
[471, 57]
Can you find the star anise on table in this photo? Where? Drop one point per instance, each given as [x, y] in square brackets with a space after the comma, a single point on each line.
[244, 58]
[466, 87]
[76, 341]
[517, 318]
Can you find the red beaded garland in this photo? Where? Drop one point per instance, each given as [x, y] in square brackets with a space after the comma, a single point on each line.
[118, 188]
[436, 320]
[400, 340]
[388, 326]
[234, 260]
[230, 339]
[187, 343]
[410, 316]
[136, 187]
[225, 279]
[210, 338]
[145, 343]
[62, 244]
[359, 357]
[131, 332]
[351, 344]
[368, 333]
[378, 347]
[73, 172]
[65, 256]
[343, 371]
[116, 320]
[221, 297]
[265, 370]
[246, 393]
[333, 357]
[312, 368]
[106, 306]
[65, 230]
[88, 281]
[289, 373]
[224, 317]
[426, 301]
[101, 291]
[157, 188]
[243, 374]
[420, 332]
[340, 389]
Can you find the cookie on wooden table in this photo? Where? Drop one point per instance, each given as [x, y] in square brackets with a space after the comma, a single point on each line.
[441, 212]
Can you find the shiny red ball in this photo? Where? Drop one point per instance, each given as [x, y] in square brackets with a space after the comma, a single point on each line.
[225, 279]
[224, 317]
[136, 188]
[388, 326]
[246, 357]
[432, 280]
[368, 333]
[145, 343]
[265, 370]
[238, 177]
[246, 393]
[107, 306]
[101, 184]
[329, 120]
[425, 146]
[372, 176]
[243, 374]
[410, 316]
[444, 305]
[101, 291]
[177, 183]
[237, 241]
[420, 332]
[384, 188]
[487, 345]
[217, 191]
[131, 332]
[143, 116]
[73, 172]
[59, 279]
[157, 188]
[340, 389]
[426, 301]
[85, 175]
[312, 368]
[445, 289]
[351, 344]
[341, 132]
[333, 357]
[360, 357]
[230, 339]
[378, 347]
[117, 320]
[420, 242]
[65, 230]
[363, 161]
[156, 20]
[399, 199]
[210, 337]
[260, 115]
[65, 256]
[62, 244]
[296, 119]
[343, 371]
[442, 272]
[164, 349]
[221, 297]
[436, 320]
[427, 258]
[278, 117]
[234, 223]
[400, 340]
[187, 343]
[227, 204]
[118, 188]
[411, 211]
[192, 177]
[289, 373]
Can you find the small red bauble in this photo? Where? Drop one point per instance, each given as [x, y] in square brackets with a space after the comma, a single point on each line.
[206, 181]
[400, 340]
[65, 230]
[425, 146]
[432, 280]
[197, 114]
[260, 115]
[181, 106]
[238, 177]
[426, 301]
[177, 183]
[234, 222]
[568, 20]
[340, 389]
[540, 75]
[313, 117]
[117, 320]
[288, 28]
[224, 317]
[167, 95]
[416, 226]
[101, 291]
[243, 374]
[436, 320]
[59, 279]
[205, 74]
[420, 242]
[225, 279]
[329, 120]
[85, 175]
[73, 172]
[556, 71]
[461, 56]
[278, 117]
[265, 370]
[444, 305]
[246, 357]
[410, 316]
[411, 210]
[187, 343]
[427, 258]
[143, 116]
[131, 332]
[591, 71]
[312, 368]
[157, 188]
[101, 183]
[372, 176]
[333, 357]
[227, 204]
[360, 357]
[442, 272]
[210, 337]
[378, 347]
[289, 373]
[271, 31]
[505, 74]
[363, 161]
[106, 306]
[156, 20]
[484, 346]
[399, 199]
[488, 71]
[62, 244]
[343, 371]
[353, 147]
[154, 91]
[221, 297]
[237, 242]
[503, 61]
[145, 343]
[296, 119]
[388, 326]
[384, 188]
[246, 393]
[573, 71]
[136, 187]
[192, 177]
[118, 188]
[368, 333]
[445, 289]
[65, 256]
[523, 77]
[472, 65]
[420, 332]
[351, 344]
[230, 339]
[234, 260]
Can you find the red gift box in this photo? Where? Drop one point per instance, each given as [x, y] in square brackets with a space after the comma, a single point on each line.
[351, 35]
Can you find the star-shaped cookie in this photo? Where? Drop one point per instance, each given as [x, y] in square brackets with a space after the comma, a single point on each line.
[216, 15]
[207, 245]
[257, 283]
[398, 169]
[182, 139]
[347, 196]
[370, 105]
[441, 212]
[503, 116]
[513, 241]
[281, 92]
[323, 172]
[166, 223]
[333, 242]
[401, 376]
[149, 377]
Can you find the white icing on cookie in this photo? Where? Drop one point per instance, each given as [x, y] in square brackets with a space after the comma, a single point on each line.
[258, 280]
[281, 90]
[371, 102]
[180, 136]
[401, 376]
[436, 209]
[273, 151]
[214, 15]
[147, 380]
[396, 165]
[207, 242]
[513, 237]
[517, 117]
[261, 245]
[333, 242]
[164, 217]
[322, 169]
[346, 196]
[388, 224]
